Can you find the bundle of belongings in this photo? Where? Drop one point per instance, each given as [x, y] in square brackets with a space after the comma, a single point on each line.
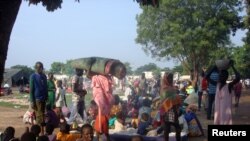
[99, 65]
[29, 117]
[194, 125]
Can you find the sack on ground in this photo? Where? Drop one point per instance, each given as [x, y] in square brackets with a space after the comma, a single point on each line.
[193, 128]
[192, 99]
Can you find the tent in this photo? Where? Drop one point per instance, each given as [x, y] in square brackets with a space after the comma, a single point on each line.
[15, 77]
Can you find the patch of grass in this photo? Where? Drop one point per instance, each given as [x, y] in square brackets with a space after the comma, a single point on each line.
[11, 105]
[22, 96]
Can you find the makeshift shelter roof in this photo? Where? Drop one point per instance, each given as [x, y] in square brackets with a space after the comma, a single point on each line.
[9, 73]
[13, 76]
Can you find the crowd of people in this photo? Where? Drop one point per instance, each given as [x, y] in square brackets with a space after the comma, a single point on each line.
[147, 111]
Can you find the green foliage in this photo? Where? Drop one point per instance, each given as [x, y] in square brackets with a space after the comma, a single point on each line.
[147, 67]
[24, 68]
[51, 5]
[64, 68]
[221, 53]
[154, 3]
[247, 17]
[241, 56]
[156, 72]
[57, 67]
[68, 69]
[128, 68]
[187, 30]
[178, 68]
[166, 69]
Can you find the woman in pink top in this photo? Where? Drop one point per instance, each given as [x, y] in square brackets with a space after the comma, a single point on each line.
[223, 98]
[102, 95]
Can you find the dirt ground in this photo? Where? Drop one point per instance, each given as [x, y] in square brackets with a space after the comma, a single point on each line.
[13, 117]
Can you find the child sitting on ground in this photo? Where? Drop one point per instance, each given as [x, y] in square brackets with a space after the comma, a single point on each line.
[64, 134]
[135, 120]
[87, 133]
[51, 117]
[49, 132]
[119, 122]
[136, 138]
[144, 124]
[35, 129]
[92, 112]
[9, 134]
[117, 106]
[28, 136]
[43, 138]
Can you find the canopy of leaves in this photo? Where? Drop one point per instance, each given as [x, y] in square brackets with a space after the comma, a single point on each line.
[68, 69]
[241, 56]
[247, 17]
[187, 30]
[62, 68]
[57, 67]
[148, 67]
[24, 68]
[178, 68]
[128, 68]
[51, 5]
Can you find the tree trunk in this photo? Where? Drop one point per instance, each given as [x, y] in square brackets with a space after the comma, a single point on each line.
[8, 13]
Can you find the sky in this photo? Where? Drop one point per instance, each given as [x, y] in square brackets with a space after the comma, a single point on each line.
[89, 28]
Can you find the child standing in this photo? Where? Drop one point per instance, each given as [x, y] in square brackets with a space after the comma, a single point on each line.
[60, 98]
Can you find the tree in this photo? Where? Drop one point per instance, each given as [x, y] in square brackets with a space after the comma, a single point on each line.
[157, 72]
[154, 3]
[128, 68]
[166, 69]
[242, 55]
[178, 68]
[188, 31]
[24, 68]
[68, 69]
[8, 13]
[147, 67]
[57, 67]
[221, 53]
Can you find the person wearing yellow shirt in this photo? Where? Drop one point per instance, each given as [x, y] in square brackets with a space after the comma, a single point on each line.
[64, 134]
